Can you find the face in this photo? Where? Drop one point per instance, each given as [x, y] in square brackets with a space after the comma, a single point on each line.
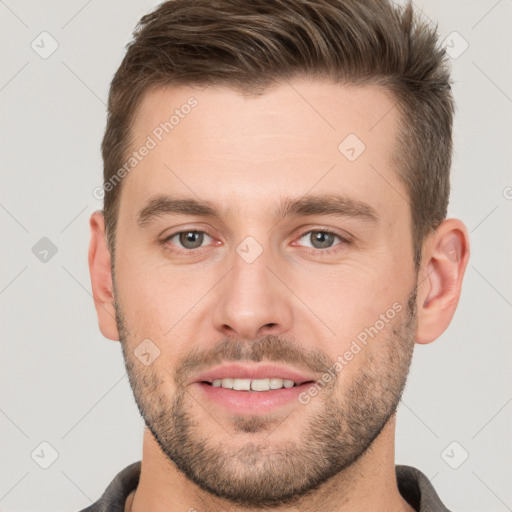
[262, 239]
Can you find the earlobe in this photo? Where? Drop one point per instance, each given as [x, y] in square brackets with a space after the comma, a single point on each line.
[101, 277]
[445, 258]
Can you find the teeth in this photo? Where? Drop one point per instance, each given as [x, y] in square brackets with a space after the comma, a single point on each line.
[276, 383]
[241, 384]
[253, 384]
[260, 384]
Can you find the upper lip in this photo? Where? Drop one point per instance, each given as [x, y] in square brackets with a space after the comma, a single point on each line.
[258, 371]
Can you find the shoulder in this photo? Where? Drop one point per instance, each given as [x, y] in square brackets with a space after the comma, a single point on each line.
[417, 490]
[115, 495]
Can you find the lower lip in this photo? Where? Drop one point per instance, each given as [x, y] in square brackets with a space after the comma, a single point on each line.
[254, 402]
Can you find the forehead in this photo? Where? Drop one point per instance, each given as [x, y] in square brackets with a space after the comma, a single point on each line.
[217, 144]
[328, 111]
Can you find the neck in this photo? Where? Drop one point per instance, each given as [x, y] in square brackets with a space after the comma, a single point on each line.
[368, 484]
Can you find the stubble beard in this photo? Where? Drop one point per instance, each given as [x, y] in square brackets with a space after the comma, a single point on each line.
[265, 472]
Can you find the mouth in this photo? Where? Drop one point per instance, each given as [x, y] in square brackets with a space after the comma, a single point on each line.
[252, 389]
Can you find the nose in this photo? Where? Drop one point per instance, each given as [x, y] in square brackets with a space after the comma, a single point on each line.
[251, 301]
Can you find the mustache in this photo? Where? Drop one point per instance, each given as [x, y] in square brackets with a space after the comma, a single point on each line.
[270, 348]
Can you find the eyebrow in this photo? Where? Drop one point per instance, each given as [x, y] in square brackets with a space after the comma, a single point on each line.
[326, 204]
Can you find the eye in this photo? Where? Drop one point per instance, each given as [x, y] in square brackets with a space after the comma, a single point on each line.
[189, 240]
[322, 239]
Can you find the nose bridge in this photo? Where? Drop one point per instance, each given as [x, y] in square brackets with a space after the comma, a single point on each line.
[252, 302]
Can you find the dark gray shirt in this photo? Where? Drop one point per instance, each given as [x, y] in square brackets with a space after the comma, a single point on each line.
[413, 485]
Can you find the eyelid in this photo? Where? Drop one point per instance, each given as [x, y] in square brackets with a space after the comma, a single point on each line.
[345, 237]
[198, 228]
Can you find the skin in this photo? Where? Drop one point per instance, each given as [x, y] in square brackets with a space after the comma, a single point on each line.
[246, 155]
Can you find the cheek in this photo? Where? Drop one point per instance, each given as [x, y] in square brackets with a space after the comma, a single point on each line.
[159, 301]
[349, 296]
[358, 304]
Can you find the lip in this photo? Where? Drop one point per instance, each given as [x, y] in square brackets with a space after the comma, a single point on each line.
[258, 371]
[251, 402]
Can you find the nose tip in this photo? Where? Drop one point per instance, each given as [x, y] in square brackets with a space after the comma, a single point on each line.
[252, 303]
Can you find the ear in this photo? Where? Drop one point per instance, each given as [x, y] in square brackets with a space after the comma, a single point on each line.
[445, 256]
[101, 277]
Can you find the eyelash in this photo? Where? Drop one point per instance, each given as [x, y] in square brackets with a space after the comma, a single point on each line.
[313, 251]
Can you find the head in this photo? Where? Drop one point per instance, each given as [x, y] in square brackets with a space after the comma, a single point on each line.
[289, 208]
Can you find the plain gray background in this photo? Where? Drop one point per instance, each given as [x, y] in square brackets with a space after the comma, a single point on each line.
[63, 384]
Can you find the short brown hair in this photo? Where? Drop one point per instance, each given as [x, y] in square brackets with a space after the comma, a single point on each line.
[250, 45]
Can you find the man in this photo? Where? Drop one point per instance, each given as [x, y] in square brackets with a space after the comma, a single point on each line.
[273, 242]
